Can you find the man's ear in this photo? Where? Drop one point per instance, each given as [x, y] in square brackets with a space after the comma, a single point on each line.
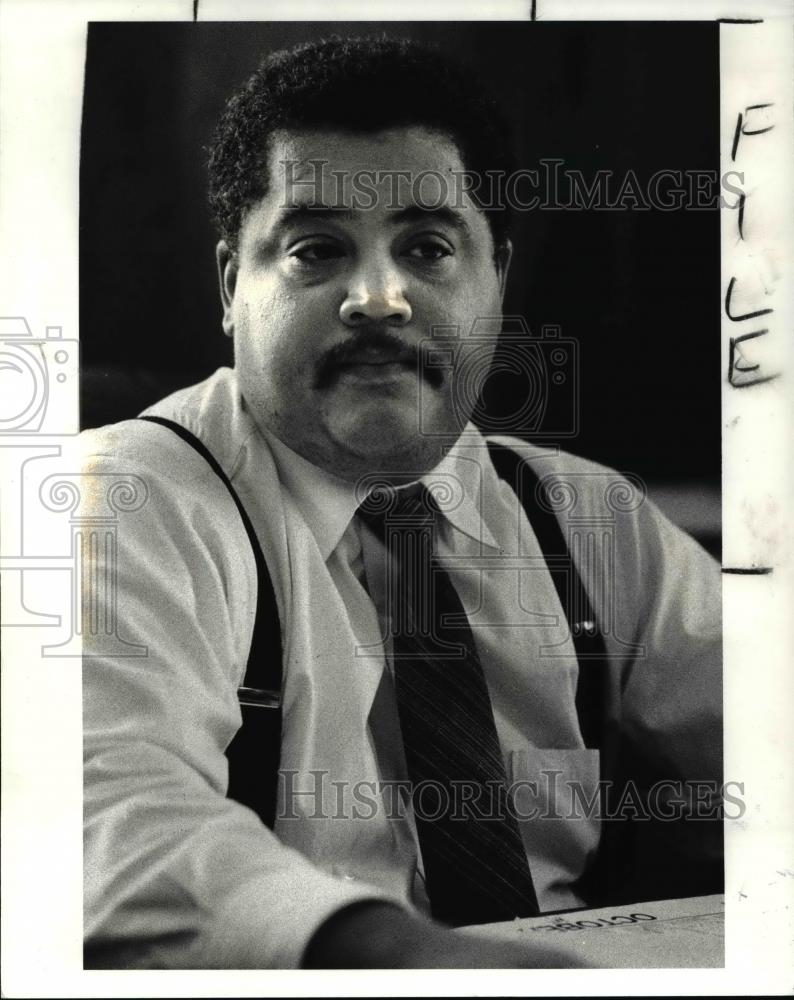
[502, 257]
[226, 261]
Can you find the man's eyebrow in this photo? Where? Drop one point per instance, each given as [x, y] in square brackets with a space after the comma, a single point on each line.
[295, 214]
[443, 214]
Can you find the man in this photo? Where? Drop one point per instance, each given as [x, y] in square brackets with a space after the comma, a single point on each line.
[422, 657]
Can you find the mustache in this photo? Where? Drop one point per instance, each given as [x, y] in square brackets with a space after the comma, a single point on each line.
[379, 345]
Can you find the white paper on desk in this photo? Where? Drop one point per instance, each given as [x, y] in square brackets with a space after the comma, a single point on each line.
[671, 934]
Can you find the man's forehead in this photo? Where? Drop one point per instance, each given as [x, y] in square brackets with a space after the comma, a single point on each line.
[410, 147]
[395, 169]
[398, 170]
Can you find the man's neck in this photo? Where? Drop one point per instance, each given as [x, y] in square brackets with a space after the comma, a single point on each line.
[397, 467]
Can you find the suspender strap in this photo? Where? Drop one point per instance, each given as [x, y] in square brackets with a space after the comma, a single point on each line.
[255, 751]
[585, 632]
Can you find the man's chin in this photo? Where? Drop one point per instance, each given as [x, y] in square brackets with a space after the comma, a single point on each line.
[380, 443]
[386, 439]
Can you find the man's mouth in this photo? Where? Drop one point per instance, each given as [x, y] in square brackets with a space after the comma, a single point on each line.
[376, 369]
[378, 358]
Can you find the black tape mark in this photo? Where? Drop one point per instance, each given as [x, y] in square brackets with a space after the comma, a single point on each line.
[748, 570]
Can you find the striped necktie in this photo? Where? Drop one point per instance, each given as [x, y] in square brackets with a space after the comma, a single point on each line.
[476, 869]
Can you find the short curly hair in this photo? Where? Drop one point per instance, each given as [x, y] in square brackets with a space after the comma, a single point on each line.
[360, 84]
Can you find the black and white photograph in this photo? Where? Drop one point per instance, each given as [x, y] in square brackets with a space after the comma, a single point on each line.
[404, 489]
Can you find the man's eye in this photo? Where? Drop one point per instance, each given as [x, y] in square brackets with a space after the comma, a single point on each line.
[430, 250]
[317, 253]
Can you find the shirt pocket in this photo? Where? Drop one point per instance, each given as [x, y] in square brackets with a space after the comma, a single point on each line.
[556, 799]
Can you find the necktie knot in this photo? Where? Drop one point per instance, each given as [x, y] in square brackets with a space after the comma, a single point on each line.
[388, 509]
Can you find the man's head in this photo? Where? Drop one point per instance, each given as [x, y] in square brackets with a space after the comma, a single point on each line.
[342, 181]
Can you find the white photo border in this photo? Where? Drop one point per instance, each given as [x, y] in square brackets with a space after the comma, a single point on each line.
[41, 72]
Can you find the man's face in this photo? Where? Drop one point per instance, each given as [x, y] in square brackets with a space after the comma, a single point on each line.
[331, 306]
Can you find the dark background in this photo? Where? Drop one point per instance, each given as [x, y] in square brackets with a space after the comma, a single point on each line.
[637, 290]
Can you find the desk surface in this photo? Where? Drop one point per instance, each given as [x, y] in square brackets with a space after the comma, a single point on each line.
[666, 934]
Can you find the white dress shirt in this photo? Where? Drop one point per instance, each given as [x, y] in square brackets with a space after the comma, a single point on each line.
[176, 874]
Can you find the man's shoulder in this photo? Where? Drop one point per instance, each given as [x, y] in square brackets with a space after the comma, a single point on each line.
[572, 481]
[211, 410]
[549, 459]
[187, 510]
[186, 496]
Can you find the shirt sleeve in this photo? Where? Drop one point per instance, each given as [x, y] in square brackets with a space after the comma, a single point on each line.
[175, 874]
[668, 601]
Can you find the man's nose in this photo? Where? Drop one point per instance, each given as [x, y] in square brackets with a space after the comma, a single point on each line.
[375, 294]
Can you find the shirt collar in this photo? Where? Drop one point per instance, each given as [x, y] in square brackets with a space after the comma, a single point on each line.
[328, 503]
[457, 485]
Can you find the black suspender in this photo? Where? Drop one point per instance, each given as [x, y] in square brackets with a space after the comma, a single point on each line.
[588, 640]
[255, 751]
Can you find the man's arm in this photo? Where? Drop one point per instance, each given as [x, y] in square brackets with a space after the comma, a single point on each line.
[668, 598]
[176, 874]
[673, 693]
[374, 935]
[657, 597]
